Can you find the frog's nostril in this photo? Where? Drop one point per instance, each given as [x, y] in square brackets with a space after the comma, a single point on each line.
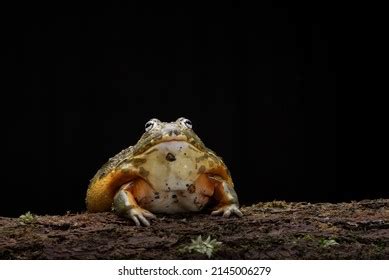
[173, 132]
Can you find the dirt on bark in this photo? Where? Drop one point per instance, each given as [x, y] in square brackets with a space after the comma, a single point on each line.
[268, 230]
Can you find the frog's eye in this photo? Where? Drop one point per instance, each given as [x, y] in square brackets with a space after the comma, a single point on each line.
[186, 122]
[150, 124]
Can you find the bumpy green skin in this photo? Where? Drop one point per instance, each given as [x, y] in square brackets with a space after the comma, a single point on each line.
[150, 138]
[113, 163]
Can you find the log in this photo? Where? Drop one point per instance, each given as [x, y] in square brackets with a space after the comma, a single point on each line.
[268, 230]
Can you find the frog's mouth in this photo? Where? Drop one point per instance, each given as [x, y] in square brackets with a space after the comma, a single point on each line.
[169, 138]
[142, 147]
[173, 145]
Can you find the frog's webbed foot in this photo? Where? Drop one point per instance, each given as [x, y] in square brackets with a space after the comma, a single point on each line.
[227, 210]
[125, 204]
[139, 215]
[226, 197]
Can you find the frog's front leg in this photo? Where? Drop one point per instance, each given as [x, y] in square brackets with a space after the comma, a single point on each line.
[226, 198]
[126, 201]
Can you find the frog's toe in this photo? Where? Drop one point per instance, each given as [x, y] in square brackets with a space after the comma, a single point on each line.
[234, 211]
[227, 210]
[140, 215]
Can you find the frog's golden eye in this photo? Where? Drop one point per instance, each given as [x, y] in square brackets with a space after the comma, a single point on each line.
[151, 124]
[186, 122]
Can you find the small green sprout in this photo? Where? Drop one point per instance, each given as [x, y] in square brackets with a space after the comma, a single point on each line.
[328, 243]
[27, 218]
[206, 247]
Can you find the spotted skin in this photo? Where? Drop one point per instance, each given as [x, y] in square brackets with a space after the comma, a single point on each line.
[169, 170]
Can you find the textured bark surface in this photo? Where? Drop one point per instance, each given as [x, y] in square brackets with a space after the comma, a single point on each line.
[271, 230]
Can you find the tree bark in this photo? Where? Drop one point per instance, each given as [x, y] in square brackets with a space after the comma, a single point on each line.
[269, 230]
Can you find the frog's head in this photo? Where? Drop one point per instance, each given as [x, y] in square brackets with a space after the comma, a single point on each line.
[158, 132]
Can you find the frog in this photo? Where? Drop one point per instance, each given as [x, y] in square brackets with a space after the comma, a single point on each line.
[169, 170]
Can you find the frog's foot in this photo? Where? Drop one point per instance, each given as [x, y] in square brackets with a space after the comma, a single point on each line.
[225, 196]
[227, 210]
[125, 203]
[139, 215]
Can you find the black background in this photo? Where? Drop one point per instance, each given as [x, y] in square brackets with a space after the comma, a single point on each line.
[257, 82]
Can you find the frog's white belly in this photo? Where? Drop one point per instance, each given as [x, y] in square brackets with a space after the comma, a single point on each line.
[172, 170]
[172, 166]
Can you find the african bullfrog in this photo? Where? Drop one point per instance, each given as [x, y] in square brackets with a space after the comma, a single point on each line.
[169, 170]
